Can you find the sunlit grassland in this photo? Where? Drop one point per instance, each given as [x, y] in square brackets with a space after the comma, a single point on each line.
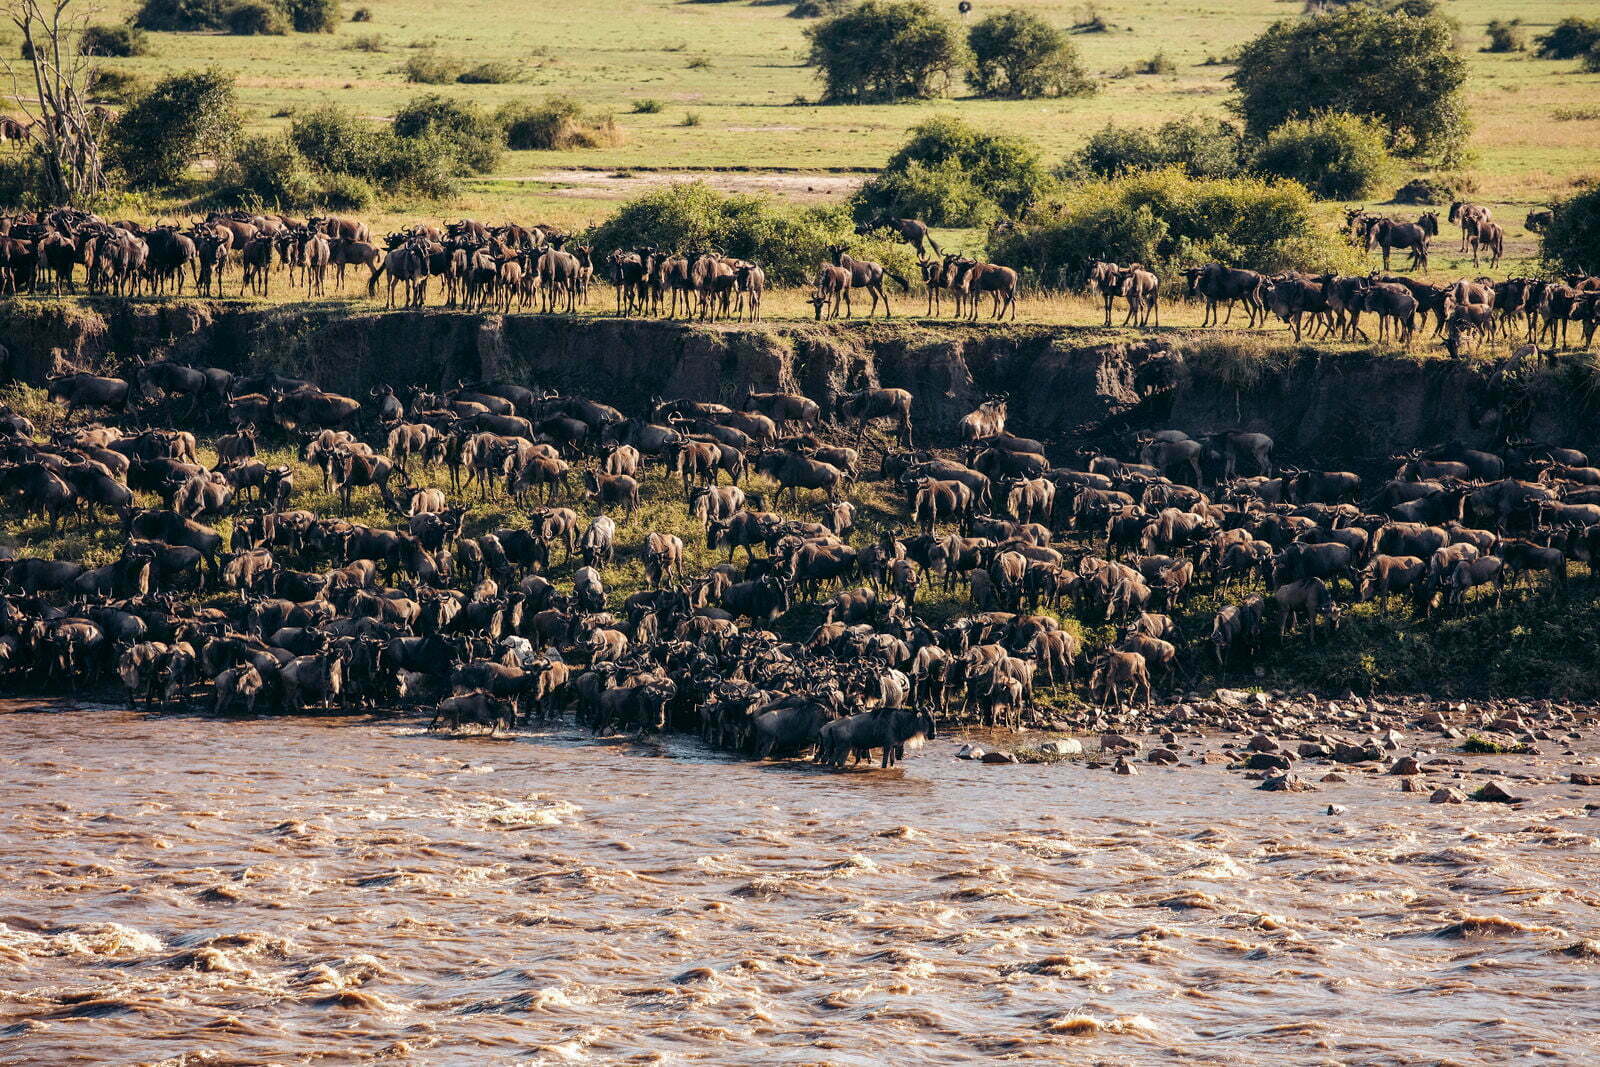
[740, 68]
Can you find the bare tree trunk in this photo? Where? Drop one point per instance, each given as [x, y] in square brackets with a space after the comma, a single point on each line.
[67, 140]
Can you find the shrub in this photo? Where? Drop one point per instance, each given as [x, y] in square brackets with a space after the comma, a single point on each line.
[1160, 63]
[1571, 243]
[115, 86]
[488, 74]
[648, 107]
[430, 68]
[313, 16]
[475, 139]
[1401, 71]
[336, 144]
[182, 118]
[1205, 148]
[367, 42]
[180, 15]
[22, 178]
[1020, 55]
[887, 50]
[362, 14]
[1506, 36]
[699, 63]
[816, 9]
[1336, 156]
[253, 18]
[345, 192]
[1171, 221]
[788, 242]
[989, 174]
[116, 41]
[556, 123]
[1568, 39]
[691, 118]
[268, 170]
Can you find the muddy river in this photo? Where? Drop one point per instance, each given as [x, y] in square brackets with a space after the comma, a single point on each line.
[184, 890]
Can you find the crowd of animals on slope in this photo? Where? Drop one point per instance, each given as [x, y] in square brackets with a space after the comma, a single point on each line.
[519, 268]
[301, 609]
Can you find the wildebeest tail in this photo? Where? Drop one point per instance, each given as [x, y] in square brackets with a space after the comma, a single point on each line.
[372, 283]
[905, 286]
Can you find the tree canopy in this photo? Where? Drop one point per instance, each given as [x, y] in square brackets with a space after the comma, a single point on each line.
[887, 50]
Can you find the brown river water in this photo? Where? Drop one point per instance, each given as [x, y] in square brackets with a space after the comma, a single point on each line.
[187, 890]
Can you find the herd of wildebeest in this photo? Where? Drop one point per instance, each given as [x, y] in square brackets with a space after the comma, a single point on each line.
[499, 621]
[519, 268]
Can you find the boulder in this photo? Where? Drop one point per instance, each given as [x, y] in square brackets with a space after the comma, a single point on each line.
[1268, 761]
[1495, 793]
[1406, 765]
[1262, 743]
[970, 752]
[1448, 795]
[998, 757]
[1163, 756]
[1064, 746]
[1285, 783]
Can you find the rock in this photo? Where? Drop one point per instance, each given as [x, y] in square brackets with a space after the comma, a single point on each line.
[1123, 766]
[970, 752]
[1508, 724]
[1117, 741]
[998, 757]
[1579, 778]
[1391, 739]
[1286, 783]
[1268, 761]
[1312, 750]
[1410, 785]
[1495, 793]
[1261, 699]
[1262, 743]
[1345, 753]
[1216, 757]
[1333, 776]
[1065, 746]
[1335, 809]
[1163, 756]
[1406, 765]
[1448, 795]
[1233, 698]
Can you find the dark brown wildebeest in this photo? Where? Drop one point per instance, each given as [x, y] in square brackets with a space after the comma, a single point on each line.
[912, 231]
[833, 288]
[1471, 218]
[867, 404]
[1490, 236]
[1539, 221]
[1412, 236]
[1227, 285]
[973, 278]
[867, 274]
[783, 408]
[795, 472]
[88, 390]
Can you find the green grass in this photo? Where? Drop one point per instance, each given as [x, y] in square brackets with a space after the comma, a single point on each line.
[747, 97]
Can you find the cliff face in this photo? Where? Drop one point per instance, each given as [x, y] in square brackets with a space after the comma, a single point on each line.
[1062, 381]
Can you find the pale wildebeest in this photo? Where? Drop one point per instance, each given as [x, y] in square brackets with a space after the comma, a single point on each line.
[867, 404]
[1388, 235]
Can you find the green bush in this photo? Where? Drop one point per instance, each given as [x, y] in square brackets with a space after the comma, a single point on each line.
[1506, 36]
[254, 18]
[648, 106]
[22, 179]
[1400, 71]
[962, 176]
[314, 16]
[1568, 39]
[788, 242]
[817, 9]
[362, 14]
[887, 50]
[1336, 156]
[181, 119]
[1160, 63]
[1169, 220]
[268, 170]
[488, 74]
[337, 146]
[1016, 54]
[115, 41]
[473, 137]
[180, 15]
[430, 68]
[556, 123]
[1205, 148]
[115, 86]
[1571, 243]
[346, 192]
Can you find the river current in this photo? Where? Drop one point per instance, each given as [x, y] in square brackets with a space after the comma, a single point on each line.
[187, 890]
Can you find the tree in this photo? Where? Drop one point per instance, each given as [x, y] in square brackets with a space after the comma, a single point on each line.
[182, 119]
[52, 91]
[1400, 70]
[955, 175]
[887, 50]
[1571, 243]
[1337, 157]
[474, 137]
[1204, 147]
[1021, 55]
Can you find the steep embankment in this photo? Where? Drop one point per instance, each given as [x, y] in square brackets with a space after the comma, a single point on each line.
[1321, 405]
